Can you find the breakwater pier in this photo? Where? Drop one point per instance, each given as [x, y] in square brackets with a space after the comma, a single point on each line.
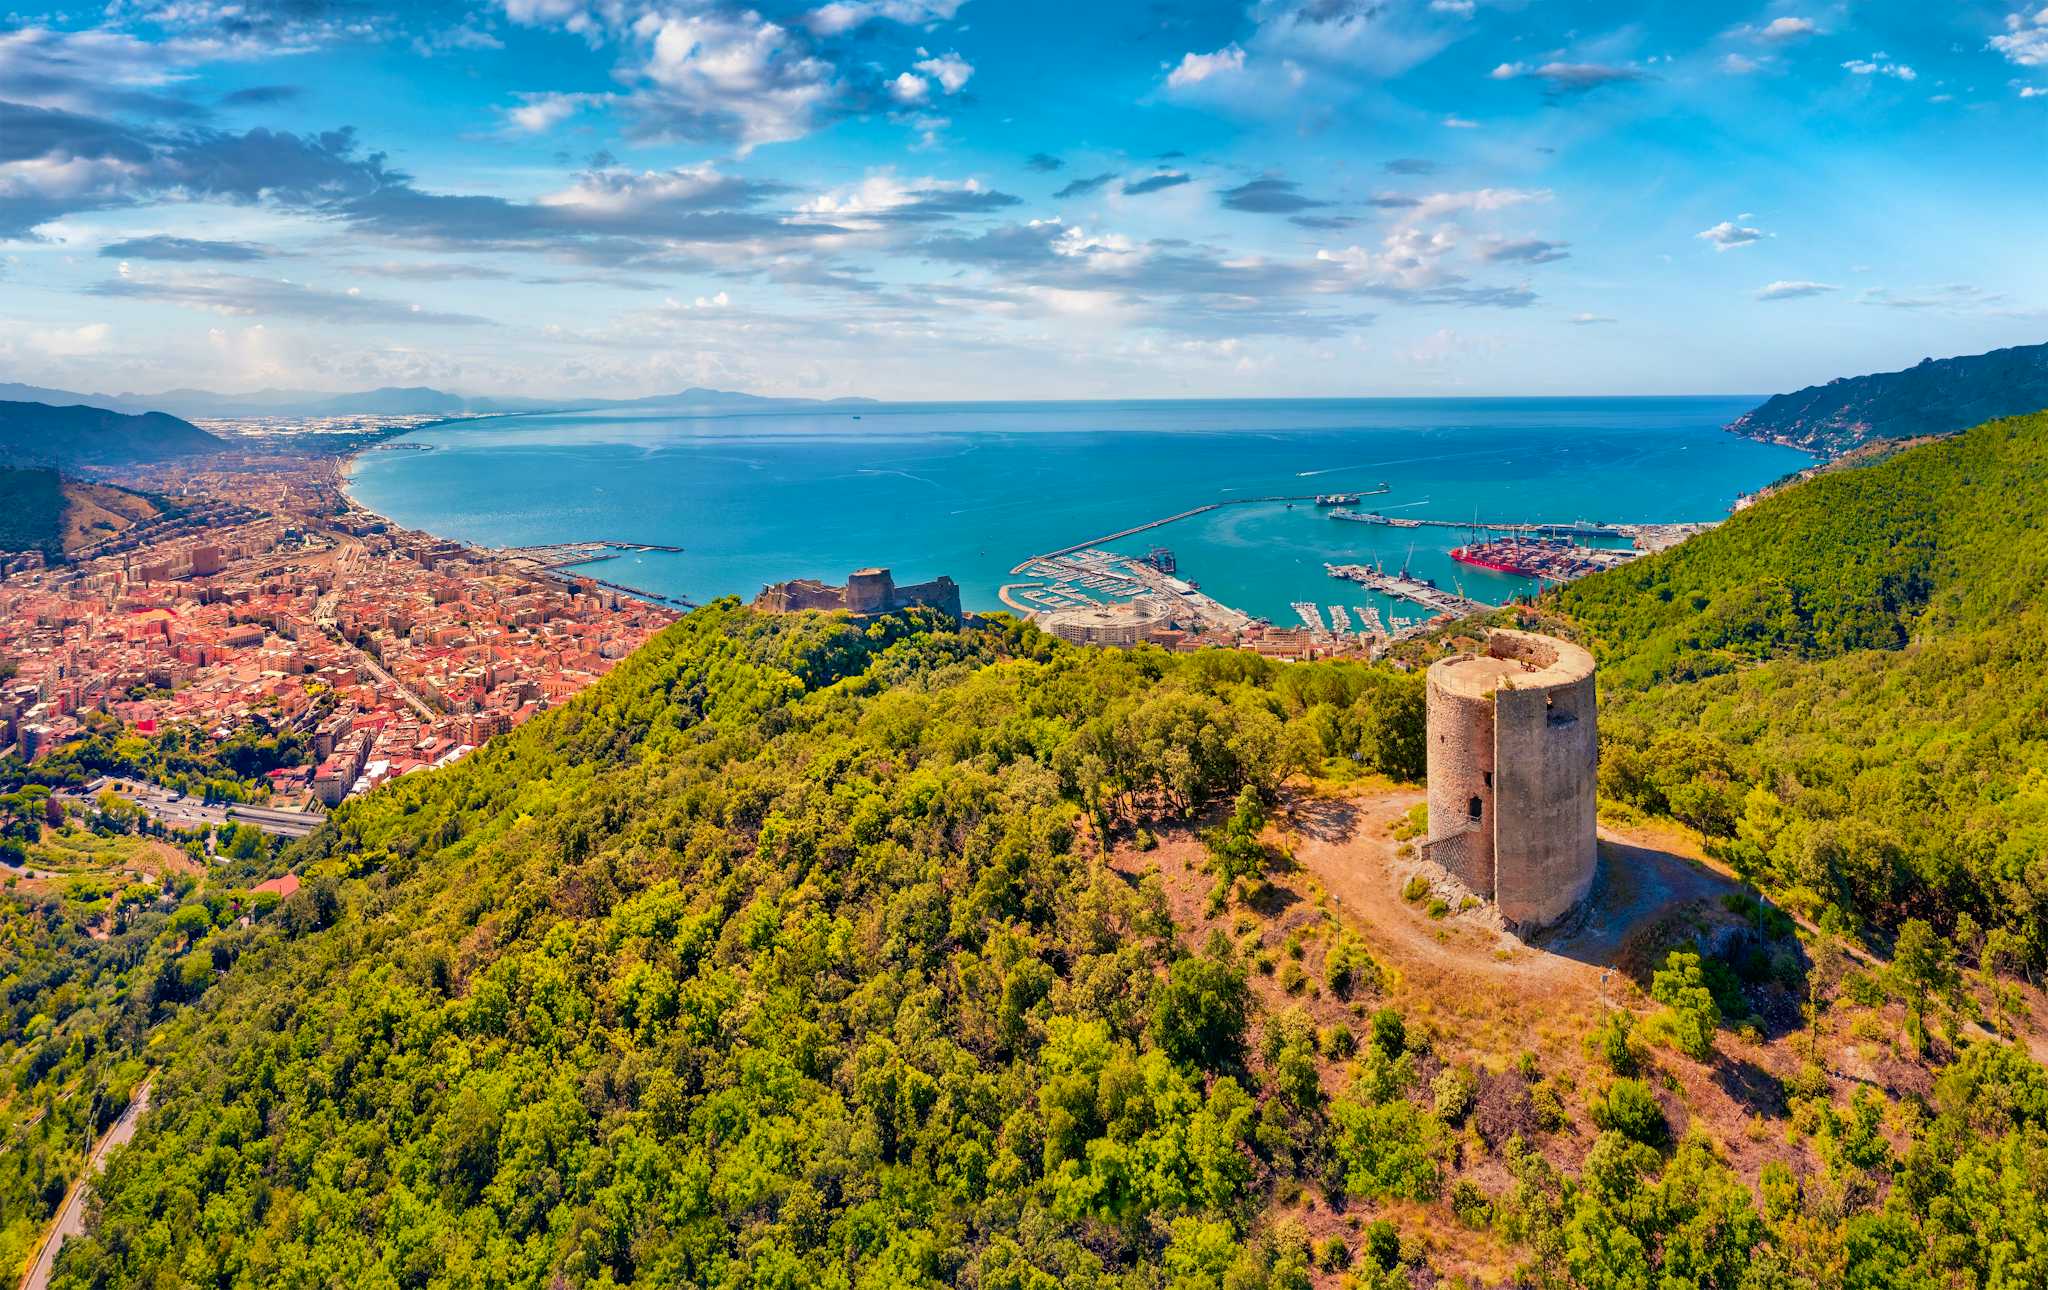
[1403, 586]
[1177, 516]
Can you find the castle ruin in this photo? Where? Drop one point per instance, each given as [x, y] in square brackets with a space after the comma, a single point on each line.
[867, 591]
[1513, 752]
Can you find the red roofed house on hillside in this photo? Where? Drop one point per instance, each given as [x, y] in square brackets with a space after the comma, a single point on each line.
[284, 886]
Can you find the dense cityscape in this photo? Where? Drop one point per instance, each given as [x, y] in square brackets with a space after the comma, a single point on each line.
[290, 610]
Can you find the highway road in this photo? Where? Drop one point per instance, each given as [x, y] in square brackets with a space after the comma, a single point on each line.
[190, 813]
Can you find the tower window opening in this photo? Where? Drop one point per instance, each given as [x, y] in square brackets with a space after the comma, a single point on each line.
[1487, 775]
[1473, 809]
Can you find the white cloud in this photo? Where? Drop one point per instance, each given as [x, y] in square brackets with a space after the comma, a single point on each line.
[1728, 234]
[909, 88]
[1476, 200]
[1793, 290]
[1462, 8]
[739, 72]
[1460, 123]
[844, 15]
[1739, 64]
[1778, 29]
[2025, 41]
[623, 192]
[71, 342]
[1196, 68]
[1880, 64]
[539, 113]
[1409, 259]
[1588, 320]
[950, 70]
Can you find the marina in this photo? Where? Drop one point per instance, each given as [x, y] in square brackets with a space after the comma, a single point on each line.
[1405, 586]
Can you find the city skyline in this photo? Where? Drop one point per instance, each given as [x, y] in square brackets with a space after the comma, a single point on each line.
[955, 199]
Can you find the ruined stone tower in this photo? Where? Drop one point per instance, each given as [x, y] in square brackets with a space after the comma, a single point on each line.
[1513, 749]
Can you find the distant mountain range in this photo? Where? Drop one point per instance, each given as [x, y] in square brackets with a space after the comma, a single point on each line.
[35, 433]
[387, 401]
[1939, 396]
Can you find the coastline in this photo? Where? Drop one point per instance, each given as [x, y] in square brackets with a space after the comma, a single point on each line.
[345, 477]
[820, 504]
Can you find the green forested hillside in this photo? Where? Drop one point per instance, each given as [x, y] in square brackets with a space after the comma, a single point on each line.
[787, 957]
[31, 511]
[775, 960]
[1845, 687]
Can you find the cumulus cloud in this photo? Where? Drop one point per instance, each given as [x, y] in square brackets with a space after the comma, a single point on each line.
[951, 71]
[1588, 320]
[1787, 28]
[884, 199]
[1196, 68]
[718, 74]
[1880, 64]
[1728, 234]
[2025, 40]
[540, 112]
[730, 76]
[1793, 290]
[844, 15]
[1043, 162]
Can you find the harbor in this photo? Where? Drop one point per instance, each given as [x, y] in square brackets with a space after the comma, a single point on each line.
[1318, 499]
[1645, 537]
[1406, 586]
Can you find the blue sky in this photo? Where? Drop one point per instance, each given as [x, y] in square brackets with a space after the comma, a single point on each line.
[973, 199]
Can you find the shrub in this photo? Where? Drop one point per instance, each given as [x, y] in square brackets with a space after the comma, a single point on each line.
[1680, 985]
[1614, 1042]
[1453, 1090]
[1389, 1034]
[1349, 968]
[1630, 1109]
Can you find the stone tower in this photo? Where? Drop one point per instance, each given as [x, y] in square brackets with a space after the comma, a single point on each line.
[1513, 752]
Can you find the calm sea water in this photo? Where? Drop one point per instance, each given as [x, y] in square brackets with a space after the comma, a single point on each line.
[972, 489]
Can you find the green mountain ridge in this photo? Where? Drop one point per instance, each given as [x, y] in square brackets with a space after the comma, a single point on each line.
[40, 434]
[1934, 397]
[1844, 684]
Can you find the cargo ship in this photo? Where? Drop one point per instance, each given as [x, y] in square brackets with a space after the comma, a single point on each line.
[1374, 517]
[1547, 559]
[1350, 499]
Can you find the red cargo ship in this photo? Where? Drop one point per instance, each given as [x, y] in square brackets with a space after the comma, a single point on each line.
[1549, 559]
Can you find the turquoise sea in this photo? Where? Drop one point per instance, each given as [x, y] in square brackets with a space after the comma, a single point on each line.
[972, 489]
